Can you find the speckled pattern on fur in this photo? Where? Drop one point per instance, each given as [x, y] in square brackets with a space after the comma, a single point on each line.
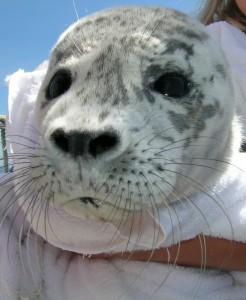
[114, 58]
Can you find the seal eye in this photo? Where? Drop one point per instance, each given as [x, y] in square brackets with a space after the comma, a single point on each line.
[172, 85]
[59, 84]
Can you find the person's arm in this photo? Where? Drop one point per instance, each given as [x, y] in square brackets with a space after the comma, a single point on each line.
[202, 251]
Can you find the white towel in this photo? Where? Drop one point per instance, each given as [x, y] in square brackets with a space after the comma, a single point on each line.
[233, 42]
[46, 267]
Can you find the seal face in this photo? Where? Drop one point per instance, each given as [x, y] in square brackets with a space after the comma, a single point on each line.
[135, 112]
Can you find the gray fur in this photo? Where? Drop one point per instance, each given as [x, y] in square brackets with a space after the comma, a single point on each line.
[115, 58]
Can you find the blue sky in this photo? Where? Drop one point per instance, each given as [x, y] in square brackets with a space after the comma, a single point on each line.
[29, 28]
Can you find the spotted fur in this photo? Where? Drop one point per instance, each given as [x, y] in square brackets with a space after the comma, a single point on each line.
[111, 143]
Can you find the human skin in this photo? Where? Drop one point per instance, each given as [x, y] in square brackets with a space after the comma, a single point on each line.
[201, 252]
[241, 4]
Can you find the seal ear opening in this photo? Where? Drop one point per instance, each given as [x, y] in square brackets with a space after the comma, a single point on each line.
[59, 84]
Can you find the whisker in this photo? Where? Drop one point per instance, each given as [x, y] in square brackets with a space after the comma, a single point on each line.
[76, 11]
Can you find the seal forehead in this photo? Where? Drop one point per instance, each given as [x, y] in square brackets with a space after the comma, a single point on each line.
[102, 48]
[115, 24]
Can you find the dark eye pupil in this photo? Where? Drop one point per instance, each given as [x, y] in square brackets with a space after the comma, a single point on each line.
[59, 84]
[172, 85]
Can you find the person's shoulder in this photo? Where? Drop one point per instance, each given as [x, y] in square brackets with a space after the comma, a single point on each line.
[217, 28]
[221, 28]
[218, 25]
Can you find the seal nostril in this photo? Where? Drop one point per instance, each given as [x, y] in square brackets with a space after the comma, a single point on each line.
[60, 139]
[84, 144]
[103, 143]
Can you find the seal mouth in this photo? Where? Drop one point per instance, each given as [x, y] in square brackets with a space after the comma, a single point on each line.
[89, 200]
[97, 203]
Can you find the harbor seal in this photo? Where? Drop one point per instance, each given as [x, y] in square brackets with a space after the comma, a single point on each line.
[136, 103]
[135, 115]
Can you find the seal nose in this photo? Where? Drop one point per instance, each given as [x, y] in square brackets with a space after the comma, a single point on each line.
[85, 143]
